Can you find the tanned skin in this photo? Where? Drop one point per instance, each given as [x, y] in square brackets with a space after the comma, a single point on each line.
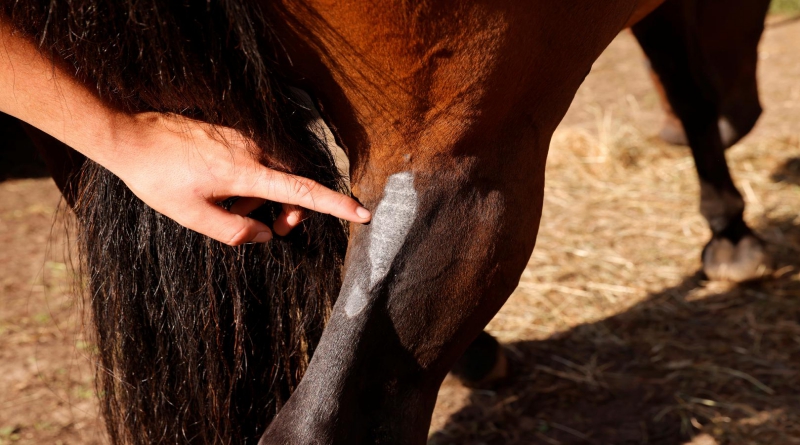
[178, 166]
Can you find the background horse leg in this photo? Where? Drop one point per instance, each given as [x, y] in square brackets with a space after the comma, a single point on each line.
[725, 36]
[483, 363]
[674, 40]
[672, 129]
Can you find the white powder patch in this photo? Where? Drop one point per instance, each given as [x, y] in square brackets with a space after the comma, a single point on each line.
[390, 225]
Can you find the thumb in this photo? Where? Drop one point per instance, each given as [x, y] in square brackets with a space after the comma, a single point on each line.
[226, 227]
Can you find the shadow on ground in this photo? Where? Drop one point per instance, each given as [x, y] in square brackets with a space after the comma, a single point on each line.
[18, 156]
[697, 358]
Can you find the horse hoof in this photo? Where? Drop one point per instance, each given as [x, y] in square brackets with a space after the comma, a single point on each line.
[497, 373]
[672, 133]
[483, 364]
[744, 261]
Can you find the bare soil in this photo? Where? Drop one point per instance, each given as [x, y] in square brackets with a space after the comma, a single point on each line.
[46, 385]
[614, 335]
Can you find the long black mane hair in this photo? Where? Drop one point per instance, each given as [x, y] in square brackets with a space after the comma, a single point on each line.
[198, 342]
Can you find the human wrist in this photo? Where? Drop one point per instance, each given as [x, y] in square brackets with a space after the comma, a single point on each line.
[40, 92]
[110, 139]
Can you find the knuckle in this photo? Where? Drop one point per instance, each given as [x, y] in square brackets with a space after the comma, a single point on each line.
[304, 188]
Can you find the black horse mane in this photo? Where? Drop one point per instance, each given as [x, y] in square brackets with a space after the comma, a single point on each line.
[198, 342]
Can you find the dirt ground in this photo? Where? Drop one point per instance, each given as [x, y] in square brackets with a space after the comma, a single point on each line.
[614, 336]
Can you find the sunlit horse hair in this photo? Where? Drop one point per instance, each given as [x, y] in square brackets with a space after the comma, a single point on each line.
[198, 342]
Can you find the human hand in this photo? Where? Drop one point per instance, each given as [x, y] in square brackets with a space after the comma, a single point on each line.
[178, 166]
[182, 168]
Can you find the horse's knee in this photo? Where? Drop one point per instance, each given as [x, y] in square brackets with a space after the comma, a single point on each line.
[672, 131]
[739, 113]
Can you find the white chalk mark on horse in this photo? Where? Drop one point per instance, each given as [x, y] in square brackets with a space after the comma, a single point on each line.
[391, 223]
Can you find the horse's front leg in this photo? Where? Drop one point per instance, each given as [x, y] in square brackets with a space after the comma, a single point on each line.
[446, 247]
[447, 109]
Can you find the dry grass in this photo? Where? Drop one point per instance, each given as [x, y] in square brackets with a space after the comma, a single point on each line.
[615, 335]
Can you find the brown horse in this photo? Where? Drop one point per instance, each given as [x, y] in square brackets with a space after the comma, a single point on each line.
[445, 110]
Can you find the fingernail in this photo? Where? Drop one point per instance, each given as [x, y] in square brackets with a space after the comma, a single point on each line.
[363, 213]
[262, 237]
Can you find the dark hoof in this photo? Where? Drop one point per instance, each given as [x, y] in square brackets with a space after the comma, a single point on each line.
[672, 132]
[483, 364]
[744, 261]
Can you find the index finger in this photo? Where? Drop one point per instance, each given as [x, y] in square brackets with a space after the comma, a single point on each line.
[290, 189]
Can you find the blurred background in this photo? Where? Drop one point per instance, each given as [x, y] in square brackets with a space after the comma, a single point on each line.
[614, 335]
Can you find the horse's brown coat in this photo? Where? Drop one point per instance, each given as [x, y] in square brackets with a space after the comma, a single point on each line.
[463, 96]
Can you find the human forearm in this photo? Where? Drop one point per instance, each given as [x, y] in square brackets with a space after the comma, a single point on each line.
[37, 91]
